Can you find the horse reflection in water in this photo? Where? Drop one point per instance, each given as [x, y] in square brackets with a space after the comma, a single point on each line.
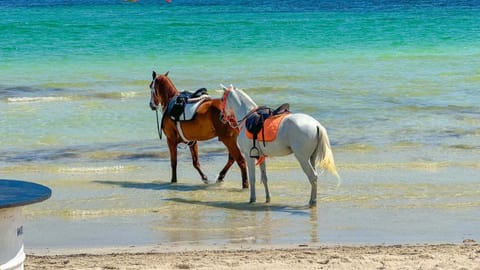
[204, 126]
[298, 133]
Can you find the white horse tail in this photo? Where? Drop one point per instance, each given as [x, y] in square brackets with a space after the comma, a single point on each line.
[325, 154]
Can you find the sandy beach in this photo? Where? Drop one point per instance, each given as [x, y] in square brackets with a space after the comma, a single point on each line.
[395, 83]
[441, 256]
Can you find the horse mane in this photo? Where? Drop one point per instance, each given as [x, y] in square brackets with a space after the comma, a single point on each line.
[166, 88]
[247, 98]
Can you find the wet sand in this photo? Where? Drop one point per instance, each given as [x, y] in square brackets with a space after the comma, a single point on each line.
[442, 256]
[388, 215]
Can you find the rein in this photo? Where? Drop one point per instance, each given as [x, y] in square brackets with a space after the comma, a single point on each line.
[232, 121]
[230, 118]
[159, 129]
[158, 126]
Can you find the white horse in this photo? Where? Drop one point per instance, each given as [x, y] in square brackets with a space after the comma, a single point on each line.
[298, 133]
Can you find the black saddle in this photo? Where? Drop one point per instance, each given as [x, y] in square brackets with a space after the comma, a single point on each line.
[200, 92]
[254, 123]
[176, 106]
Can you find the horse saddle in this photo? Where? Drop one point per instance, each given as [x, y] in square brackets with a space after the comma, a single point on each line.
[255, 121]
[183, 106]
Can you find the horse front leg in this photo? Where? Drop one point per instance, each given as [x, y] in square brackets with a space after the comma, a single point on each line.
[225, 169]
[196, 162]
[263, 170]
[251, 178]
[243, 168]
[172, 148]
[234, 152]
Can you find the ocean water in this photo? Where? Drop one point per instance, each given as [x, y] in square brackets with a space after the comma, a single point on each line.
[396, 84]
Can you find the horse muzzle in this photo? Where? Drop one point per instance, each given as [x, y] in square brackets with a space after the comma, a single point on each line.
[153, 106]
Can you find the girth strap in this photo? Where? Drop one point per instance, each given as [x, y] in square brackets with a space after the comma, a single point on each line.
[180, 132]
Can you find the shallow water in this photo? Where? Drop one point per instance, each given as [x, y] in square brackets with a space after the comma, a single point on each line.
[396, 86]
[382, 202]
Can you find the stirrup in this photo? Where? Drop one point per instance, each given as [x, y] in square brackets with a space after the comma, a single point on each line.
[254, 152]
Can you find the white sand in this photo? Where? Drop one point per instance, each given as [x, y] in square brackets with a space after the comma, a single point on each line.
[441, 256]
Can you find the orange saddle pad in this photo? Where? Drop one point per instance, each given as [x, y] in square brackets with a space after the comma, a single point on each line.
[270, 128]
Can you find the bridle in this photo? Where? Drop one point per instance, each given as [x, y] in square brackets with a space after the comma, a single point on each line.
[229, 118]
[226, 117]
[153, 105]
[153, 96]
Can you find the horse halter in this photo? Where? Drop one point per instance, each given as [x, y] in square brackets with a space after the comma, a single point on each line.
[153, 95]
[154, 107]
[226, 117]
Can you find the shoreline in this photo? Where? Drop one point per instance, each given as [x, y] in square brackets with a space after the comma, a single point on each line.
[251, 256]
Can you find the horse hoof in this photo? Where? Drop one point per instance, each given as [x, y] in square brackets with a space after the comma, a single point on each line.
[267, 200]
[244, 186]
[220, 181]
[312, 204]
[251, 201]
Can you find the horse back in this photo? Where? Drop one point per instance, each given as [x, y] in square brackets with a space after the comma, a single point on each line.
[210, 106]
[205, 125]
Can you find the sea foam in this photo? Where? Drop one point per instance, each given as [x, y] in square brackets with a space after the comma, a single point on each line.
[36, 99]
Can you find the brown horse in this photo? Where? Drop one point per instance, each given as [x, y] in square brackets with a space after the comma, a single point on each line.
[206, 124]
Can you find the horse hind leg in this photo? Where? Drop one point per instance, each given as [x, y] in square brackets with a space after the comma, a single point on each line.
[196, 162]
[311, 172]
[225, 169]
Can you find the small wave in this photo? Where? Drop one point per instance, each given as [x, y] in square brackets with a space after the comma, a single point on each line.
[417, 165]
[92, 213]
[356, 147]
[129, 94]
[105, 169]
[29, 91]
[268, 89]
[118, 95]
[458, 109]
[464, 146]
[36, 99]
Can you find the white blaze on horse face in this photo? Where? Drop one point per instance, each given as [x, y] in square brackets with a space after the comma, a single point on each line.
[152, 94]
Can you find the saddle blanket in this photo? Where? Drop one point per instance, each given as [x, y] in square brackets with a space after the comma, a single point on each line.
[189, 109]
[270, 128]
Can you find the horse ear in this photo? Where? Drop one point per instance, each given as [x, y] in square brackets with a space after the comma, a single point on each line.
[154, 75]
[166, 74]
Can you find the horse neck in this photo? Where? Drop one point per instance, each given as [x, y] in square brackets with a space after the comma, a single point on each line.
[169, 91]
[245, 107]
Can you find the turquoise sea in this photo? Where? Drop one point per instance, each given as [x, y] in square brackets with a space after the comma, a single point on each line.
[396, 84]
